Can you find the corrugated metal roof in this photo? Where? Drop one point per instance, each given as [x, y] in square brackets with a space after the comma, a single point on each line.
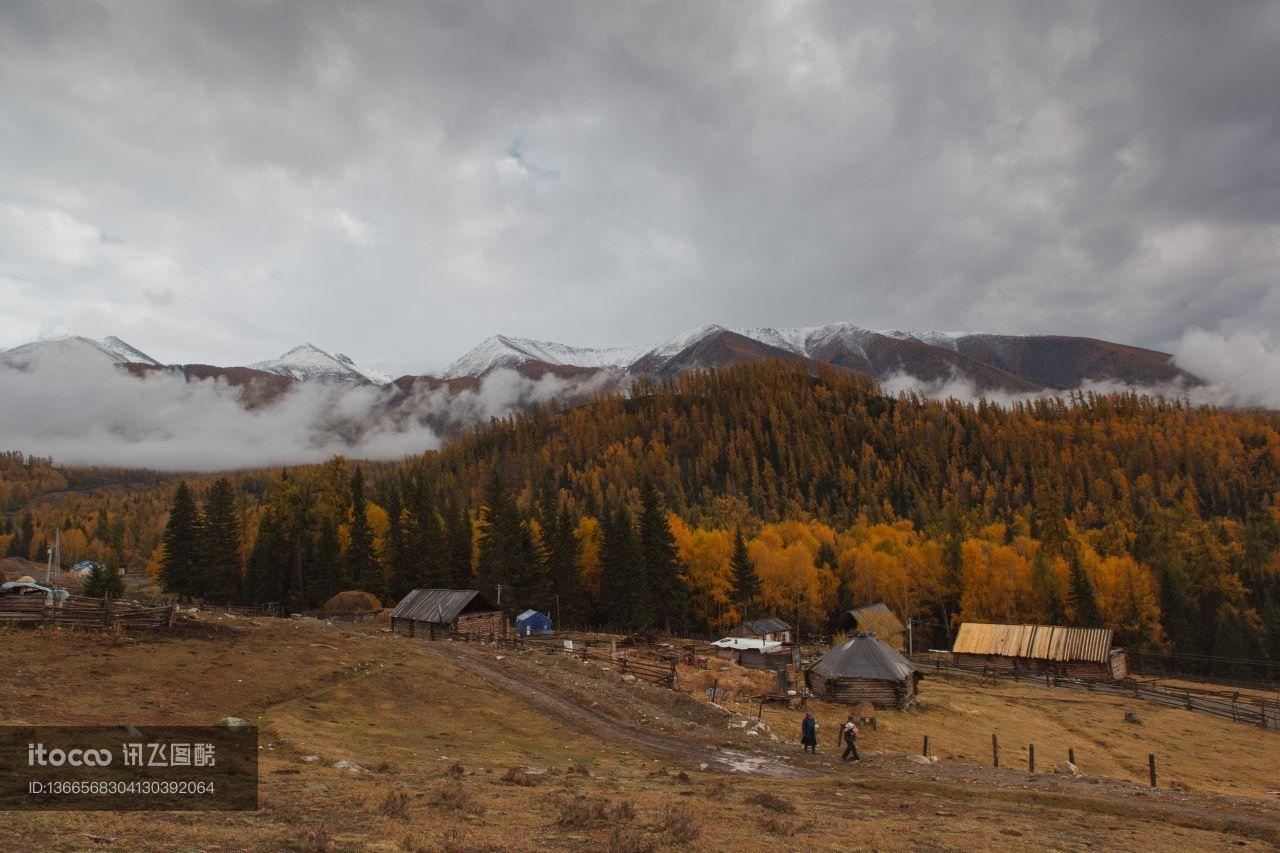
[437, 605]
[751, 643]
[878, 619]
[1037, 642]
[770, 625]
[864, 656]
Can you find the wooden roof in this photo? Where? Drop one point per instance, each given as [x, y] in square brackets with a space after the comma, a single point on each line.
[864, 656]
[1036, 642]
[441, 605]
[877, 619]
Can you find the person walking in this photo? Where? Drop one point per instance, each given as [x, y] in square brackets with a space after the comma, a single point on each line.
[809, 733]
[850, 734]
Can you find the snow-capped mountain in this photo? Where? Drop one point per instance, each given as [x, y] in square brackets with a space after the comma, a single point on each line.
[309, 362]
[1004, 362]
[74, 348]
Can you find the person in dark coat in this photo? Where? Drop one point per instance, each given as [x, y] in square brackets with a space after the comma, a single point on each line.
[849, 731]
[809, 733]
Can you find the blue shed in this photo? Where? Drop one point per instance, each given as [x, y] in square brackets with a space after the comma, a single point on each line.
[532, 622]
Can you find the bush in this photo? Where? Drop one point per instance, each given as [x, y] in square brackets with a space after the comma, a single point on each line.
[679, 824]
[622, 812]
[454, 796]
[517, 776]
[774, 825]
[629, 839]
[396, 805]
[772, 802]
[582, 812]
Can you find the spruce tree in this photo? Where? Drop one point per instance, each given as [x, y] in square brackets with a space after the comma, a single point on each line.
[660, 557]
[563, 554]
[363, 570]
[184, 540]
[222, 579]
[505, 547]
[104, 580]
[326, 574]
[627, 602]
[746, 583]
[1082, 597]
[460, 547]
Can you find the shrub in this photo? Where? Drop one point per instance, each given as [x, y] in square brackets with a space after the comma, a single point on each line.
[396, 805]
[629, 839]
[517, 776]
[772, 802]
[454, 796]
[622, 812]
[582, 812]
[679, 824]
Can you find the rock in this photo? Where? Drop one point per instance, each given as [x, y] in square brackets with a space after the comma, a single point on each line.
[628, 679]
[1066, 768]
[233, 723]
[1132, 717]
[310, 758]
[919, 759]
[350, 766]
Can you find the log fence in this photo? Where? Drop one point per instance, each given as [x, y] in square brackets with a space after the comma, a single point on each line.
[79, 611]
[645, 665]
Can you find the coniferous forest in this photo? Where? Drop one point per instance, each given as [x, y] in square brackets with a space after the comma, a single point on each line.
[757, 489]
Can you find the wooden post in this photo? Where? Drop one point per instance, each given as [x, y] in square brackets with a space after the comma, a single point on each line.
[995, 750]
[926, 747]
[1151, 765]
[1031, 758]
[106, 610]
[1071, 754]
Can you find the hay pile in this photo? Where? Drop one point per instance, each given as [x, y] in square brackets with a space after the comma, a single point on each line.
[737, 682]
[353, 601]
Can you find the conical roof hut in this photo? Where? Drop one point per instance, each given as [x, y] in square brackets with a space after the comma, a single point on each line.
[864, 668]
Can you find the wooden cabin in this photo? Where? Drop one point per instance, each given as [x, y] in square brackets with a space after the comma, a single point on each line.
[771, 630]
[435, 614]
[877, 619]
[864, 668]
[1037, 649]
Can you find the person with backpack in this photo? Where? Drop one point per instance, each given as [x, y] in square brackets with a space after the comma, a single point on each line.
[850, 734]
[809, 733]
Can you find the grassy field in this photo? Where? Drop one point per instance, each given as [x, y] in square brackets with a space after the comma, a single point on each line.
[470, 748]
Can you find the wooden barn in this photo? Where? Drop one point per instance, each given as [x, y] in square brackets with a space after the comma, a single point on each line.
[1037, 649]
[864, 669]
[771, 630]
[877, 619]
[438, 613]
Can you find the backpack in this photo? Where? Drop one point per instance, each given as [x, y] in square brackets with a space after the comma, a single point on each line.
[850, 731]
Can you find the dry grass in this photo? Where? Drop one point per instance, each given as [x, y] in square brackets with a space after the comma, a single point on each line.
[772, 802]
[377, 700]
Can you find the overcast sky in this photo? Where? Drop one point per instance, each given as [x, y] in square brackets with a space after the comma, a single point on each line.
[219, 181]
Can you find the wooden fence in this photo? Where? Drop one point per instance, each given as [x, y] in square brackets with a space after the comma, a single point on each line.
[1229, 705]
[84, 612]
[643, 664]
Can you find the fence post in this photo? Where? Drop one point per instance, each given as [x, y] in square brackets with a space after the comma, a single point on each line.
[1031, 758]
[1071, 754]
[926, 747]
[106, 610]
[995, 750]
[1151, 765]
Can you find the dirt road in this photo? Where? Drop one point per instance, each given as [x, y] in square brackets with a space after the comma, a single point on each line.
[564, 708]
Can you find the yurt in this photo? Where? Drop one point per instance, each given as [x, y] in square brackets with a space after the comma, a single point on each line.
[864, 668]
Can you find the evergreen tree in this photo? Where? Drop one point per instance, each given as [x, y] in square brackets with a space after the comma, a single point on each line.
[563, 553]
[184, 541]
[326, 576]
[269, 574]
[1047, 589]
[661, 560]
[460, 546]
[506, 554]
[363, 570]
[746, 583]
[103, 581]
[1083, 600]
[627, 602]
[222, 575]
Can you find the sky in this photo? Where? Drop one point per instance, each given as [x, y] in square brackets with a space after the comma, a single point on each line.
[218, 182]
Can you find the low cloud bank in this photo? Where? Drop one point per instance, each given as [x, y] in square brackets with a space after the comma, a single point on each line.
[89, 412]
[1239, 370]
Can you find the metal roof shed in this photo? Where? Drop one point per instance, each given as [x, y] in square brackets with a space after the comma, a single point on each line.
[532, 622]
[438, 613]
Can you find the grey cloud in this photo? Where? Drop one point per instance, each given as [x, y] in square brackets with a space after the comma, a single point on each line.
[297, 171]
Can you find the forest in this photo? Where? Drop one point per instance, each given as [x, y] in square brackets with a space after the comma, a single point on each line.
[756, 489]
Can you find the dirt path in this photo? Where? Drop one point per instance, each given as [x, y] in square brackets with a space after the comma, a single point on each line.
[565, 709]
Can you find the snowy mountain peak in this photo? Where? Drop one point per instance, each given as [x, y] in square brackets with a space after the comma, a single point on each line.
[308, 361]
[127, 352]
[73, 348]
[507, 351]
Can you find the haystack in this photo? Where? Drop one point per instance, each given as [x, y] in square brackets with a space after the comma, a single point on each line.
[25, 579]
[353, 601]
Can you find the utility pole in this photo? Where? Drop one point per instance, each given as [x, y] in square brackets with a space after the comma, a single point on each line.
[499, 595]
[558, 627]
[911, 649]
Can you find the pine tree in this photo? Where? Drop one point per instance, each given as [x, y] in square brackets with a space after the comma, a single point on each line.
[563, 554]
[326, 575]
[1046, 587]
[363, 570]
[627, 602]
[184, 545]
[1083, 600]
[460, 547]
[506, 555]
[269, 573]
[661, 560]
[746, 583]
[104, 581]
[222, 579]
